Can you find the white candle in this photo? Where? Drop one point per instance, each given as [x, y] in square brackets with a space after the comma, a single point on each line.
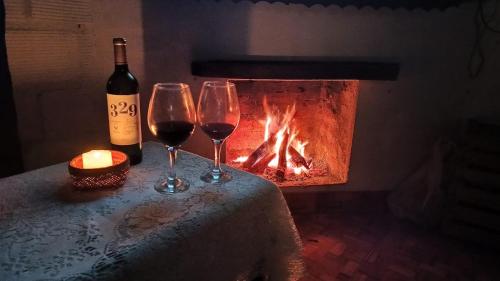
[97, 159]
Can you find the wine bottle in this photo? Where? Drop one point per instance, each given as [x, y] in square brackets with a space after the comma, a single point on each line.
[124, 106]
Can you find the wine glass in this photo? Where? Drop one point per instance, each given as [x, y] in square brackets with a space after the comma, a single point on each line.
[171, 119]
[218, 116]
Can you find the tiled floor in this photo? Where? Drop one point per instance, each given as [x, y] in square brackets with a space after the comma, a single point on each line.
[341, 246]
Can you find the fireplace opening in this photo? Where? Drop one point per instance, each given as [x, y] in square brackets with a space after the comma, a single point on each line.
[295, 132]
[297, 114]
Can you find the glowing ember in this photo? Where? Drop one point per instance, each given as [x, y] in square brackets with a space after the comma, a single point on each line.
[278, 127]
[240, 159]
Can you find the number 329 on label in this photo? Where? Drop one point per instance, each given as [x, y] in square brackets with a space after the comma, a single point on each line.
[123, 108]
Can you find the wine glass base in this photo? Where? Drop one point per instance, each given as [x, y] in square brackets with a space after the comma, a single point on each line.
[223, 177]
[180, 186]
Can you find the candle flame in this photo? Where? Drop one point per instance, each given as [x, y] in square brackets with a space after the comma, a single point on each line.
[97, 159]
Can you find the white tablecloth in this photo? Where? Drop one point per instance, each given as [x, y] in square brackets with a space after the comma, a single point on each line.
[237, 231]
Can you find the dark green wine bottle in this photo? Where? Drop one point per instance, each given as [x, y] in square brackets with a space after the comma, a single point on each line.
[124, 106]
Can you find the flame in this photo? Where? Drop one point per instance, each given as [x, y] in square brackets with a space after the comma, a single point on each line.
[268, 124]
[281, 123]
[301, 148]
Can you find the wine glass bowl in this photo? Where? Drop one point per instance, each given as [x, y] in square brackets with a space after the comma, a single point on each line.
[172, 133]
[218, 116]
[171, 119]
[218, 131]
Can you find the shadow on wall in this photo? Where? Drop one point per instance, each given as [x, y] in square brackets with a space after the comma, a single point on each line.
[177, 32]
[10, 151]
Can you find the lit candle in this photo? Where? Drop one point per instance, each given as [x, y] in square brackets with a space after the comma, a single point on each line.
[97, 159]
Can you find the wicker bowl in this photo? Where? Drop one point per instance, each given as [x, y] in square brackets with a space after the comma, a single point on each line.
[98, 178]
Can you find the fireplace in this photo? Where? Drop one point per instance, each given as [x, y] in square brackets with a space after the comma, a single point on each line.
[294, 133]
[297, 117]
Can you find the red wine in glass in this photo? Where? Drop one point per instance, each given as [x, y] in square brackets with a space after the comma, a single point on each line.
[218, 116]
[173, 133]
[171, 118]
[218, 131]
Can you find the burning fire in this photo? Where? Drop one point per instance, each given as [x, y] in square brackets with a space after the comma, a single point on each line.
[281, 148]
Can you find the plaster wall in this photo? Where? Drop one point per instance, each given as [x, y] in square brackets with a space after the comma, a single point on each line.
[397, 122]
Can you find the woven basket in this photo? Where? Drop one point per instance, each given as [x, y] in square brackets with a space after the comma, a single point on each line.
[99, 178]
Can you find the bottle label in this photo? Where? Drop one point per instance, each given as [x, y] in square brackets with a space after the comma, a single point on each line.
[124, 119]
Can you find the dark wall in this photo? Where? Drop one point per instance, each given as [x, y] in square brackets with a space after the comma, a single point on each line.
[175, 33]
[10, 150]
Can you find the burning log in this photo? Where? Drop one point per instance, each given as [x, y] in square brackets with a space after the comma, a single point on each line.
[260, 166]
[281, 171]
[262, 151]
[297, 159]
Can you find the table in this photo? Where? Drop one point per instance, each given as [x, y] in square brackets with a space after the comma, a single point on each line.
[238, 231]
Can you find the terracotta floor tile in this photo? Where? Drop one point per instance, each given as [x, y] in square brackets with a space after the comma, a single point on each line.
[369, 247]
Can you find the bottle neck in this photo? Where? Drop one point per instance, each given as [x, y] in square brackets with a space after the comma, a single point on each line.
[120, 56]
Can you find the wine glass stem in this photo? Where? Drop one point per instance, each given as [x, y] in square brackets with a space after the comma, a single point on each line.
[171, 168]
[216, 171]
